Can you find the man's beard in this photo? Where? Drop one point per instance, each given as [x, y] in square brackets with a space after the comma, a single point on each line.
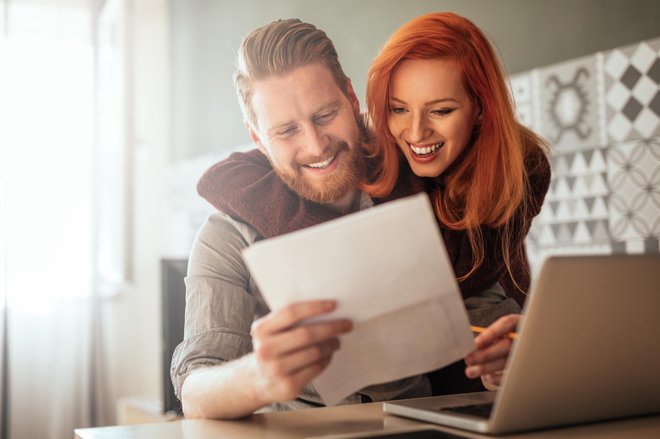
[330, 188]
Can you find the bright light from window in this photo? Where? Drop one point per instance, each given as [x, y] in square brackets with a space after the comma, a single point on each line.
[46, 114]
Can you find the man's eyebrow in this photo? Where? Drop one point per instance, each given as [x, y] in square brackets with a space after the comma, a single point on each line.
[276, 128]
[334, 105]
[433, 102]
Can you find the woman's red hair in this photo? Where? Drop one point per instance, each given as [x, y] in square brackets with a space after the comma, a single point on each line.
[488, 184]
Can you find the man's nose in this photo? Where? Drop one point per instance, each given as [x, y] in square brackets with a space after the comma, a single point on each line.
[316, 141]
[418, 130]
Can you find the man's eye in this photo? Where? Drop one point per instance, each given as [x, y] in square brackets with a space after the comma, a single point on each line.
[286, 132]
[325, 117]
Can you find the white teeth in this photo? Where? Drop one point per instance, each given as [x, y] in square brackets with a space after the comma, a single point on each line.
[322, 164]
[427, 149]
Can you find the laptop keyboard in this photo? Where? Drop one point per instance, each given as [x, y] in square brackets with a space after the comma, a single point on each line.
[478, 410]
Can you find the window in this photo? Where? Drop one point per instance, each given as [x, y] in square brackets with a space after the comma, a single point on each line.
[47, 89]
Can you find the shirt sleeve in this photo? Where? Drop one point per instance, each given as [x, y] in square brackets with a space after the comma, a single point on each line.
[219, 306]
[489, 305]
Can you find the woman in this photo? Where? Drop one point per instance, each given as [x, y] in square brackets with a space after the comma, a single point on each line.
[437, 96]
[439, 103]
[443, 122]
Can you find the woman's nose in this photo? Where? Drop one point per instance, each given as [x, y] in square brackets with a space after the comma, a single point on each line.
[418, 130]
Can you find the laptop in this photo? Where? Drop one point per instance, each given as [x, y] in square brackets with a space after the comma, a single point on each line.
[588, 349]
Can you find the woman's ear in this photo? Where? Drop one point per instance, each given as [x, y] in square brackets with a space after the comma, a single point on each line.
[480, 111]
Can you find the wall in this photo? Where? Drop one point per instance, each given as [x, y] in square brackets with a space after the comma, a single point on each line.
[528, 33]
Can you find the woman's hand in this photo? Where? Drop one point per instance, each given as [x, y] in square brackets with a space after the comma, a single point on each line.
[493, 346]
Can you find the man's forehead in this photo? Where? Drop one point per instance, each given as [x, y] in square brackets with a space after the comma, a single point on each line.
[299, 93]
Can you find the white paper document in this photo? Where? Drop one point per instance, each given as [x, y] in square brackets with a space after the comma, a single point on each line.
[388, 270]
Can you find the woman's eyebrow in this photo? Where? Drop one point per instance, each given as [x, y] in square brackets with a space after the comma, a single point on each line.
[441, 101]
[433, 102]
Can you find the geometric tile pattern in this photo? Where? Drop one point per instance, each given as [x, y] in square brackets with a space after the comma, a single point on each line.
[632, 82]
[576, 208]
[634, 179]
[601, 116]
[569, 104]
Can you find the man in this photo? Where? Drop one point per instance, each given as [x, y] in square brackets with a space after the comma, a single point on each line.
[302, 113]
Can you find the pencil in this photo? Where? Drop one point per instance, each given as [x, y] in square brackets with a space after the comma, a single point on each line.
[479, 330]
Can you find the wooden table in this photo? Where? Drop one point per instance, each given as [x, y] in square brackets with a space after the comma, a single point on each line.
[347, 421]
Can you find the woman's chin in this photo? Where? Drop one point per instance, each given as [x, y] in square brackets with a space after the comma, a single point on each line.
[429, 170]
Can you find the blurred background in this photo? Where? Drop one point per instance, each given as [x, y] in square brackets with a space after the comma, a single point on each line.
[111, 109]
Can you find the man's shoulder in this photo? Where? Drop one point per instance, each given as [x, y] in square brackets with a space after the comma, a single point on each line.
[223, 225]
[218, 246]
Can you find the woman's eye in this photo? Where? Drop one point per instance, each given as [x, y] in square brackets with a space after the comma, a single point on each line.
[443, 112]
[398, 110]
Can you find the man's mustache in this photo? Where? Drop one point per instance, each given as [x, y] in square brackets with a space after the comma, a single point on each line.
[332, 150]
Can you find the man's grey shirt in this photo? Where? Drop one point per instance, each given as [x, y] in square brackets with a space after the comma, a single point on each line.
[222, 301]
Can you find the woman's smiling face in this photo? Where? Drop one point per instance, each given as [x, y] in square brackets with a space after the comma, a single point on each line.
[431, 115]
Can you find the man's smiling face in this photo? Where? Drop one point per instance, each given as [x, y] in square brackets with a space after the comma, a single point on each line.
[308, 129]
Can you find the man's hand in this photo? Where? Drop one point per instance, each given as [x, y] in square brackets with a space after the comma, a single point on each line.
[493, 346]
[289, 354]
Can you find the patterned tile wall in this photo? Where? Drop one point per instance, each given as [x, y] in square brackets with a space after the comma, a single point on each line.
[601, 116]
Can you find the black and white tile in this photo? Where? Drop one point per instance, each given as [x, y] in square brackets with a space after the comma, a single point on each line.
[569, 104]
[632, 80]
[601, 116]
[634, 180]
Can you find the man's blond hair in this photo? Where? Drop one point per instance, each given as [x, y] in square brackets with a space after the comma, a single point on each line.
[277, 49]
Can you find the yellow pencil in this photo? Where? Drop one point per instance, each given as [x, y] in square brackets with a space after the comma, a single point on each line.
[479, 330]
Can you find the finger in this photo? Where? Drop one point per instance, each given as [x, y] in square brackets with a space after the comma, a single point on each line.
[300, 337]
[482, 369]
[493, 366]
[290, 364]
[291, 315]
[500, 328]
[307, 374]
[492, 380]
[500, 349]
